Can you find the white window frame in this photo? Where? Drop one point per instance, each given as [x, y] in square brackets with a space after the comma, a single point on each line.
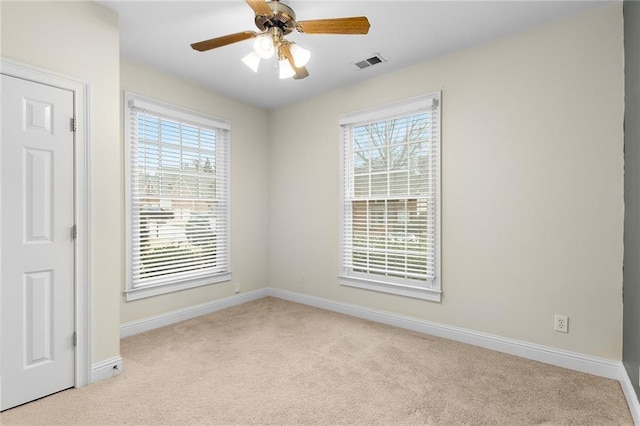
[184, 115]
[431, 290]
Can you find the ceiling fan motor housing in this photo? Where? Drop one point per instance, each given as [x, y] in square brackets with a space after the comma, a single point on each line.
[282, 17]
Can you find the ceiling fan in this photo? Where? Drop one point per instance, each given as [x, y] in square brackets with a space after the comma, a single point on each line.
[275, 20]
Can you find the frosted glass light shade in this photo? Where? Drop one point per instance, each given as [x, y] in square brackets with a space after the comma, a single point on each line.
[263, 46]
[285, 69]
[252, 60]
[300, 55]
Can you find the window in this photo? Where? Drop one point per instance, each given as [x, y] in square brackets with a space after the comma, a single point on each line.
[177, 198]
[390, 209]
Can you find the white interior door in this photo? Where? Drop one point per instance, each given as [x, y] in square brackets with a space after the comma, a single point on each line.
[37, 247]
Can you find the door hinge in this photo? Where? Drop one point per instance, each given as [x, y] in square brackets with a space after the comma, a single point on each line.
[74, 232]
[75, 339]
[74, 124]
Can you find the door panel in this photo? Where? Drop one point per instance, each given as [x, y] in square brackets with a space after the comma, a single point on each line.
[37, 248]
[38, 192]
[38, 321]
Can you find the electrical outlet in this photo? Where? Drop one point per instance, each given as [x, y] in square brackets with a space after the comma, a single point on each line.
[561, 323]
[237, 288]
[302, 278]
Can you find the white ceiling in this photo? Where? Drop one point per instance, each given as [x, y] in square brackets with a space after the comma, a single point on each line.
[158, 33]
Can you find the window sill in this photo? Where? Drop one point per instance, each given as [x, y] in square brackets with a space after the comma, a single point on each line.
[383, 287]
[158, 289]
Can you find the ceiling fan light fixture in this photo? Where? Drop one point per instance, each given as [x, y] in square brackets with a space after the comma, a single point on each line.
[286, 71]
[275, 20]
[263, 46]
[252, 60]
[300, 55]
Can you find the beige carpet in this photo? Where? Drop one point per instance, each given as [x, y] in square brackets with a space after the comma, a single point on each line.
[277, 362]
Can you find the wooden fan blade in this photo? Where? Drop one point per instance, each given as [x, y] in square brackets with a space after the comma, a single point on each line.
[354, 25]
[300, 72]
[203, 46]
[260, 7]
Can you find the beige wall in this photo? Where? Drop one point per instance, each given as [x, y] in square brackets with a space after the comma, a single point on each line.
[532, 186]
[249, 187]
[81, 39]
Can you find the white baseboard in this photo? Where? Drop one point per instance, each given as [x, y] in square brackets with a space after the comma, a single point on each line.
[630, 394]
[561, 358]
[157, 321]
[574, 361]
[106, 369]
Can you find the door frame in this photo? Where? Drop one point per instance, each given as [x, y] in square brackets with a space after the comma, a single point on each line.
[81, 208]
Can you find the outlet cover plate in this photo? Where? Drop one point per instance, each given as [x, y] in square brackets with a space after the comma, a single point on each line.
[561, 323]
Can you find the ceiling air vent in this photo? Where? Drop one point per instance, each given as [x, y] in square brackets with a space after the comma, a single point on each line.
[377, 59]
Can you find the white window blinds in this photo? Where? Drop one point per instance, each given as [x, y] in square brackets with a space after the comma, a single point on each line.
[390, 194]
[178, 201]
